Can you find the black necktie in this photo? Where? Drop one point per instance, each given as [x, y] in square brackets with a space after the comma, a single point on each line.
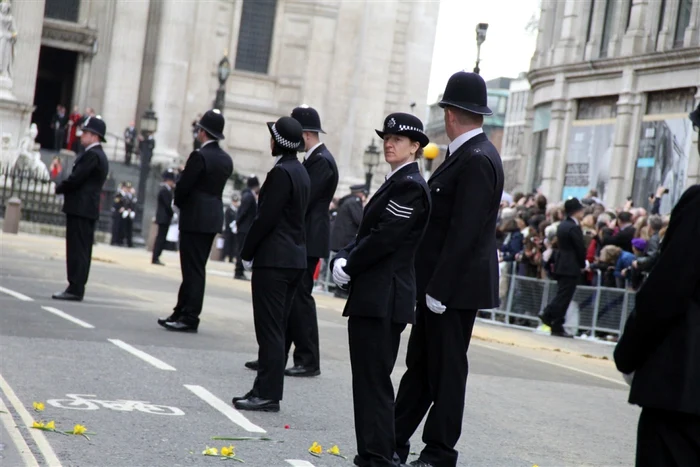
[447, 154]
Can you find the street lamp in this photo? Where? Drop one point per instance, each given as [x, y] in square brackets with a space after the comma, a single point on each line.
[480, 38]
[371, 160]
[149, 125]
[223, 71]
[430, 153]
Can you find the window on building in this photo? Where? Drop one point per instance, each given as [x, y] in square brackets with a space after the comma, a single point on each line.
[671, 101]
[66, 10]
[255, 35]
[597, 108]
[608, 24]
[682, 22]
[590, 21]
[662, 15]
[629, 14]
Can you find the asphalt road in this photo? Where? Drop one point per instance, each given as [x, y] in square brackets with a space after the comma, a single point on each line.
[524, 405]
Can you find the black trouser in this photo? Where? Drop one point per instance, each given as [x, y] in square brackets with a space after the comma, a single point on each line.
[374, 345]
[239, 272]
[302, 326]
[195, 248]
[80, 236]
[436, 376]
[273, 291]
[160, 241]
[667, 438]
[129, 231]
[128, 151]
[230, 252]
[116, 228]
[556, 310]
[59, 139]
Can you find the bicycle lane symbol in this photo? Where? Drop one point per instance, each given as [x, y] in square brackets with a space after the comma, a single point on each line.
[85, 402]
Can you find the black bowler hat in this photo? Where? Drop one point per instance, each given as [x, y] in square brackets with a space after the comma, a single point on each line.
[169, 175]
[252, 182]
[213, 123]
[359, 188]
[466, 91]
[406, 125]
[97, 126]
[695, 117]
[308, 117]
[287, 133]
[572, 206]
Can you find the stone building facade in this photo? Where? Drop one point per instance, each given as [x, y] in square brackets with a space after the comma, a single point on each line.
[514, 130]
[612, 84]
[353, 61]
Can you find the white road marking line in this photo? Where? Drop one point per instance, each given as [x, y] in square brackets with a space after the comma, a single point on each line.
[38, 436]
[231, 413]
[298, 463]
[16, 437]
[17, 295]
[65, 315]
[160, 364]
[560, 365]
[216, 272]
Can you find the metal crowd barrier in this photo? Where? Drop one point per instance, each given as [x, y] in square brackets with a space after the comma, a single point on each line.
[601, 310]
[324, 284]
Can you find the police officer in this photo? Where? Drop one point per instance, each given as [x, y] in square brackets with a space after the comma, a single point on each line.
[275, 248]
[164, 214]
[81, 204]
[230, 229]
[198, 196]
[117, 209]
[380, 266]
[129, 214]
[457, 274]
[302, 329]
[244, 219]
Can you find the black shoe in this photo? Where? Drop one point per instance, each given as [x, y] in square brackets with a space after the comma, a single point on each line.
[158, 262]
[252, 365]
[301, 372]
[170, 319]
[257, 404]
[181, 327]
[67, 296]
[545, 319]
[241, 277]
[248, 395]
[419, 463]
[561, 333]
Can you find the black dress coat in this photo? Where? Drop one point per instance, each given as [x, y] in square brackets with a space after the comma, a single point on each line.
[381, 260]
[323, 174]
[571, 257]
[199, 189]
[83, 187]
[661, 339]
[457, 262]
[276, 238]
[246, 211]
[347, 222]
[164, 210]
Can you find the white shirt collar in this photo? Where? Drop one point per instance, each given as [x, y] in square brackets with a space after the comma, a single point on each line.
[310, 151]
[91, 146]
[463, 138]
[207, 142]
[399, 168]
[575, 220]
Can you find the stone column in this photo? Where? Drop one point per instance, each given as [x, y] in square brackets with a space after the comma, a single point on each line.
[566, 46]
[124, 68]
[553, 164]
[693, 30]
[694, 155]
[171, 71]
[634, 40]
[593, 46]
[665, 37]
[618, 186]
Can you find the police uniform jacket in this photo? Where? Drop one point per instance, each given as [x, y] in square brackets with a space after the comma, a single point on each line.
[323, 174]
[661, 340]
[572, 251]
[276, 238]
[164, 211]
[457, 262]
[246, 211]
[199, 189]
[380, 262]
[83, 187]
[347, 221]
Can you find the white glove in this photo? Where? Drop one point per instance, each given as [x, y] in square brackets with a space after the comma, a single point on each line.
[132, 214]
[588, 265]
[125, 214]
[234, 227]
[434, 305]
[340, 277]
[248, 265]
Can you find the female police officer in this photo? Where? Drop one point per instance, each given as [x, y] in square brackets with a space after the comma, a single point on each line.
[379, 267]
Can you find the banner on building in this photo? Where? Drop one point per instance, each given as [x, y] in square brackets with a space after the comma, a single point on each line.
[588, 159]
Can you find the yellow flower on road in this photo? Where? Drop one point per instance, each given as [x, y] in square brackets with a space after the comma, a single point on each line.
[228, 451]
[38, 425]
[79, 430]
[316, 449]
[38, 406]
[210, 451]
[51, 425]
[335, 451]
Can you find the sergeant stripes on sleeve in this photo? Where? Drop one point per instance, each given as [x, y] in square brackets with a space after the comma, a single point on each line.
[398, 210]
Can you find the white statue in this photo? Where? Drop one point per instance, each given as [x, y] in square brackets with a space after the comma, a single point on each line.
[8, 37]
[28, 155]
